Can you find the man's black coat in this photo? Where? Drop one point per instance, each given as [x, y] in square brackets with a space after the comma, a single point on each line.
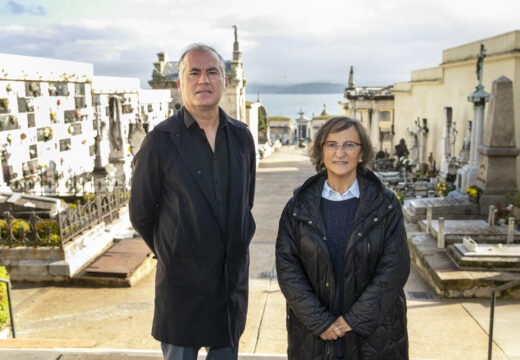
[202, 276]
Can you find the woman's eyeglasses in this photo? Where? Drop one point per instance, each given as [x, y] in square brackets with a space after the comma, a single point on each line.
[348, 147]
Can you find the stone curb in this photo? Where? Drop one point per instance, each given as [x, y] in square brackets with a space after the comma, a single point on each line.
[113, 354]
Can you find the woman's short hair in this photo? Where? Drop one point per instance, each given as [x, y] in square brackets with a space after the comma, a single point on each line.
[336, 125]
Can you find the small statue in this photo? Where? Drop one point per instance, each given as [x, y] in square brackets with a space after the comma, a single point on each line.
[480, 62]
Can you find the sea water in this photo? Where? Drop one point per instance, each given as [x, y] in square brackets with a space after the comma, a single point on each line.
[289, 105]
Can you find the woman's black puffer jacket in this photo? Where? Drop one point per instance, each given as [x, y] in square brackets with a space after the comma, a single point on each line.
[376, 267]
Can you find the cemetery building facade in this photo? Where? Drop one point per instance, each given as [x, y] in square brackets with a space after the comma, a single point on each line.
[433, 108]
[374, 108]
[59, 123]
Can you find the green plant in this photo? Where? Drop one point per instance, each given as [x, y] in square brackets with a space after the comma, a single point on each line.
[4, 305]
[16, 227]
[514, 199]
[54, 228]
[261, 120]
[85, 198]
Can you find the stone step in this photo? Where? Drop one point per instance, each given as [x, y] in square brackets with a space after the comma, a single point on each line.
[109, 354]
[121, 259]
[44, 343]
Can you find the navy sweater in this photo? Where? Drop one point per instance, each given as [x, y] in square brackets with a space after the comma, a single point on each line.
[338, 217]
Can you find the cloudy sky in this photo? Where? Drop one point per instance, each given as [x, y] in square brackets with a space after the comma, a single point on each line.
[281, 41]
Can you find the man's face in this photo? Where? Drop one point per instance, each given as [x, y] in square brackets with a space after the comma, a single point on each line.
[202, 82]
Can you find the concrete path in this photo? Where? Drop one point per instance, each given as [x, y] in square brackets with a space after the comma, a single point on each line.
[118, 320]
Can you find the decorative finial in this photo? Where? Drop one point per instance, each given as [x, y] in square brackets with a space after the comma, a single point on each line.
[236, 32]
[351, 78]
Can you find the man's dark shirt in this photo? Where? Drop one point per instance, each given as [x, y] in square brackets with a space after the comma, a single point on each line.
[214, 164]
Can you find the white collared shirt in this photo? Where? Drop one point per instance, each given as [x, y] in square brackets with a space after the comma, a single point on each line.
[330, 194]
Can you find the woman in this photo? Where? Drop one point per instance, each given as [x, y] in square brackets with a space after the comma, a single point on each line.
[342, 257]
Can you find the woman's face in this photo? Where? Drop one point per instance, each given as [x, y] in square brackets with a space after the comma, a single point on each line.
[341, 154]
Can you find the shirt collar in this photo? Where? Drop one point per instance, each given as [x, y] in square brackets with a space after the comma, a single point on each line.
[331, 194]
[189, 120]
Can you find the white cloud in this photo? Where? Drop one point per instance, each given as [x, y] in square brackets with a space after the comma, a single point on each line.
[307, 40]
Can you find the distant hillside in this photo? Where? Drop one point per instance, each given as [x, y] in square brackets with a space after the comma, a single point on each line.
[304, 88]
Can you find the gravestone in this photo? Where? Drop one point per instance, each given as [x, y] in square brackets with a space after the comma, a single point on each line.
[477, 256]
[498, 151]
[451, 208]
[478, 230]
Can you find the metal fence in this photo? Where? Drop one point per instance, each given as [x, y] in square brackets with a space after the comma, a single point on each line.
[494, 292]
[59, 230]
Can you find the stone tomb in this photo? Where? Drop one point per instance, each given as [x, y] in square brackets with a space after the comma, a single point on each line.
[478, 230]
[449, 208]
[451, 280]
[474, 256]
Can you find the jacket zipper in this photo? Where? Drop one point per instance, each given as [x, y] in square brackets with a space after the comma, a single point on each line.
[332, 281]
[369, 269]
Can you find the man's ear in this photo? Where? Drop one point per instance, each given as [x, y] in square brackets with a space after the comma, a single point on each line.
[179, 84]
[225, 82]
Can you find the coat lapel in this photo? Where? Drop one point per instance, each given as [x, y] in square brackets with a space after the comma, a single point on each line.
[185, 145]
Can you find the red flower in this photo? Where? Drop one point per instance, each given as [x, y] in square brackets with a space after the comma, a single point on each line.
[58, 102]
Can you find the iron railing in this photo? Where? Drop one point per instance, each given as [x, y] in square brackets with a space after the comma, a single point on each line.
[496, 290]
[9, 300]
[35, 231]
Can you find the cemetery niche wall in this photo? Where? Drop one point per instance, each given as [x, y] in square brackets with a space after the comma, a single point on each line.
[65, 135]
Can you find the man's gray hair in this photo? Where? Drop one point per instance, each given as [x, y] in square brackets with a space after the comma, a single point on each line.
[204, 48]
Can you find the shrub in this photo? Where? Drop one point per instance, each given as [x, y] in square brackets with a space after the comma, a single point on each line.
[514, 199]
[4, 305]
[55, 232]
[16, 226]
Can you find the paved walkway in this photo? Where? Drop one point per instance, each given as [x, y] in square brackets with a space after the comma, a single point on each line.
[116, 321]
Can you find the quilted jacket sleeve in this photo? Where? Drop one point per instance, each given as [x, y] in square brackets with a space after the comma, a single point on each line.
[299, 294]
[389, 278]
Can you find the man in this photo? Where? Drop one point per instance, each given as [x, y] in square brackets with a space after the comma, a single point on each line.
[191, 199]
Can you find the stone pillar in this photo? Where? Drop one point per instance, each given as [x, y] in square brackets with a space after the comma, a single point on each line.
[444, 143]
[467, 176]
[375, 130]
[497, 161]
[511, 230]
[440, 234]
[422, 148]
[491, 216]
[429, 212]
